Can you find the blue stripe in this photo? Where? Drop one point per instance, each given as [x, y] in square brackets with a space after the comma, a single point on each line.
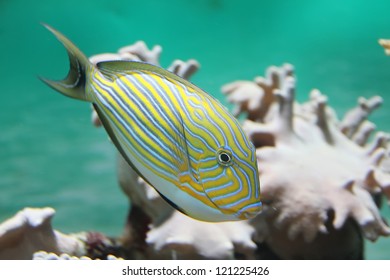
[183, 109]
[215, 178]
[245, 208]
[108, 106]
[175, 111]
[233, 133]
[138, 121]
[151, 119]
[130, 149]
[211, 120]
[188, 116]
[164, 96]
[157, 106]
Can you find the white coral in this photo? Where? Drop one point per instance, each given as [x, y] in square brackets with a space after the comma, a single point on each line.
[308, 167]
[255, 97]
[137, 52]
[317, 175]
[30, 230]
[182, 237]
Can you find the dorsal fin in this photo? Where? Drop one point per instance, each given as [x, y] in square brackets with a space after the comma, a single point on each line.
[111, 69]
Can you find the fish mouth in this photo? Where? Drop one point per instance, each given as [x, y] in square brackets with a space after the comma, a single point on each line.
[250, 212]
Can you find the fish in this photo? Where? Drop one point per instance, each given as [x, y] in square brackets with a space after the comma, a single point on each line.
[178, 138]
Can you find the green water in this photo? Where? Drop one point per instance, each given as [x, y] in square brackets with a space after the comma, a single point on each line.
[51, 155]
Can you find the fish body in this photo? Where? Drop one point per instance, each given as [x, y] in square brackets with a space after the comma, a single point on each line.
[181, 140]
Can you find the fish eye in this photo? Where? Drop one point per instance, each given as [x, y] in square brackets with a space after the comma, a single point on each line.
[224, 157]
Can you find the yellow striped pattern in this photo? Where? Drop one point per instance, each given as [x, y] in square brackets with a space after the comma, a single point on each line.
[182, 136]
[178, 138]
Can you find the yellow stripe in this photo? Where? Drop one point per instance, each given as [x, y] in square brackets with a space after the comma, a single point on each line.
[142, 135]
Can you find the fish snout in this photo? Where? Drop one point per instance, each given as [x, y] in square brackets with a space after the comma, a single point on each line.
[250, 213]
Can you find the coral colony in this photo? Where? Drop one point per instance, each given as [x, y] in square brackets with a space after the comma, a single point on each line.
[321, 184]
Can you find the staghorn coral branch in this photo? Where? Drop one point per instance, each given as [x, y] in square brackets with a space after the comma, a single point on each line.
[322, 120]
[369, 180]
[285, 100]
[140, 50]
[381, 140]
[136, 52]
[309, 109]
[261, 135]
[363, 133]
[356, 116]
[371, 104]
[275, 77]
[255, 98]
[383, 180]
[247, 97]
[377, 156]
[184, 69]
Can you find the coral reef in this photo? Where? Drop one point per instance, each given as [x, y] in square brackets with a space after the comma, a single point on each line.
[140, 52]
[317, 173]
[30, 230]
[322, 181]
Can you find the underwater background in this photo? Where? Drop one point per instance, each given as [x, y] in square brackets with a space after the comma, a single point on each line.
[50, 153]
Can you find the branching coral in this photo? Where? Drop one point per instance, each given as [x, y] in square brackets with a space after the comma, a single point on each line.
[30, 230]
[355, 125]
[255, 98]
[140, 52]
[314, 169]
[319, 177]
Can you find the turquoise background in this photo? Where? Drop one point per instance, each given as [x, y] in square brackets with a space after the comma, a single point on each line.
[51, 155]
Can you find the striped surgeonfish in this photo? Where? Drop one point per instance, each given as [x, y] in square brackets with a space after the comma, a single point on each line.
[181, 140]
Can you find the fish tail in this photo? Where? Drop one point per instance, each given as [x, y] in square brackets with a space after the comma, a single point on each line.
[74, 83]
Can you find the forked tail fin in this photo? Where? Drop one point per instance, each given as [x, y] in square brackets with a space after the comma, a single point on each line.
[74, 83]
